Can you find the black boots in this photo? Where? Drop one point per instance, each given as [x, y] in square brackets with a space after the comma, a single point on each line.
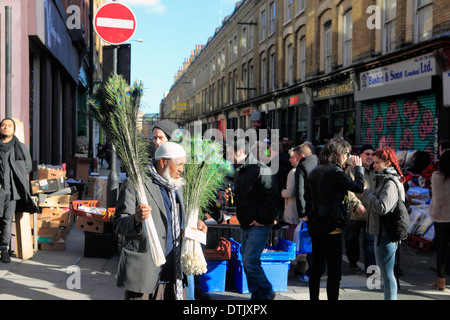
[5, 256]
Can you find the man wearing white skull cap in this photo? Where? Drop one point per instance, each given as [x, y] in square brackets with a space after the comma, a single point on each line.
[137, 273]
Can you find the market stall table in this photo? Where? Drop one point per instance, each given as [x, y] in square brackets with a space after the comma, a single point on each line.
[229, 228]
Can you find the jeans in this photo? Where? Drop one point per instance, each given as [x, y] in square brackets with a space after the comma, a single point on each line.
[327, 252]
[352, 232]
[385, 257]
[253, 243]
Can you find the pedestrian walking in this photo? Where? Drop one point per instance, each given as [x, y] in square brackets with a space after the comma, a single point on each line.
[382, 200]
[358, 217]
[326, 187]
[137, 273]
[256, 200]
[15, 165]
[290, 206]
[308, 161]
[440, 214]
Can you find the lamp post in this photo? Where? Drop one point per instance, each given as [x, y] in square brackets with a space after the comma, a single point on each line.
[113, 178]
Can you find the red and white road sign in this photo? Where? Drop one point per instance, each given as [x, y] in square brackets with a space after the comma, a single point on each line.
[115, 23]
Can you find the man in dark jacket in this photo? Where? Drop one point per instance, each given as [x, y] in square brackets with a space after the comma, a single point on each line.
[256, 200]
[326, 187]
[308, 161]
[15, 164]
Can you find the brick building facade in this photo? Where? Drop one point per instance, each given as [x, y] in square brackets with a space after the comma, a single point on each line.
[316, 69]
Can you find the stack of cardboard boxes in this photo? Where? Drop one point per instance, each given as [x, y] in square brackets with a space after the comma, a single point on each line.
[54, 199]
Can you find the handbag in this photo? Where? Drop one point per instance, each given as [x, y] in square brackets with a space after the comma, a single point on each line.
[302, 239]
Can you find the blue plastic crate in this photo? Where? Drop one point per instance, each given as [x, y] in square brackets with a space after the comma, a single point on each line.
[214, 279]
[276, 272]
[285, 251]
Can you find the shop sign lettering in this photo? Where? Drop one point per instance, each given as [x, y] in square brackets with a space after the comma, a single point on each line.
[334, 90]
[405, 70]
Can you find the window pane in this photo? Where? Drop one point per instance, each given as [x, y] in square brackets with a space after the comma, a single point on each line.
[390, 10]
[425, 22]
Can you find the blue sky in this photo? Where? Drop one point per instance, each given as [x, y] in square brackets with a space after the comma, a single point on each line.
[170, 29]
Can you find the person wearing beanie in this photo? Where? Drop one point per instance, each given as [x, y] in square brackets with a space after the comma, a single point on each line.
[15, 164]
[358, 217]
[162, 132]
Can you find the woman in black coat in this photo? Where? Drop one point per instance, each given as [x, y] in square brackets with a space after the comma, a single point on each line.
[326, 187]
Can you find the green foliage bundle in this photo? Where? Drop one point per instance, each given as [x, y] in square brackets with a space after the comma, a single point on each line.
[204, 172]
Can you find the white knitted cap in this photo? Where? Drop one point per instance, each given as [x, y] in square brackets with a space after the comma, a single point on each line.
[170, 150]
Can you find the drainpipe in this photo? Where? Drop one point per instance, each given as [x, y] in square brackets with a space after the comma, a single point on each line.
[8, 61]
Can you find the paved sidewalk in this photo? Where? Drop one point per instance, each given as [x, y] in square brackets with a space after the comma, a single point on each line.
[49, 275]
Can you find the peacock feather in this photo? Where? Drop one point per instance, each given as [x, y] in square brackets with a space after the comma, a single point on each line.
[204, 173]
[115, 106]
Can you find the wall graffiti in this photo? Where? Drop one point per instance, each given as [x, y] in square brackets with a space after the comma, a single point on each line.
[402, 124]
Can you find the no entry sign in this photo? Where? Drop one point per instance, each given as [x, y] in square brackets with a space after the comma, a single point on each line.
[115, 23]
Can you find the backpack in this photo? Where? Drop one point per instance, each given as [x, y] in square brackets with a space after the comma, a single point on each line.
[396, 222]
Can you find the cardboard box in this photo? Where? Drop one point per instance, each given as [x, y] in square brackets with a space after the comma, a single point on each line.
[48, 173]
[64, 201]
[59, 245]
[47, 185]
[48, 235]
[101, 191]
[47, 223]
[58, 215]
[66, 230]
[91, 187]
[78, 168]
[90, 225]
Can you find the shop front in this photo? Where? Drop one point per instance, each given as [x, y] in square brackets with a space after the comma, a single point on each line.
[293, 117]
[334, 111]
[400, 104]
[245, 118]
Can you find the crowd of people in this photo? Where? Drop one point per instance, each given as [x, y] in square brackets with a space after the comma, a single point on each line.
[341, 194]
[337, 193]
